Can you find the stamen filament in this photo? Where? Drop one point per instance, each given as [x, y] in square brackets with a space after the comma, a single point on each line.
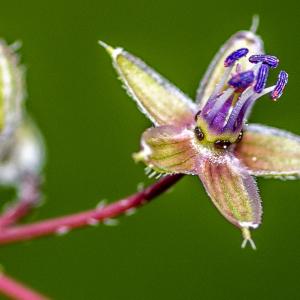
[250, 97]
[222, 81]
[231, 102]
[220, 102]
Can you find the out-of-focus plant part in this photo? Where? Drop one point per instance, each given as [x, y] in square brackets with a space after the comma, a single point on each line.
[210, 138]
[21, 155]
[16, 290]
[21, 144]
[25, 154]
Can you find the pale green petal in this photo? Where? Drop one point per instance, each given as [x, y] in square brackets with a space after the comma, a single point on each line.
[232, 190]
[169, 149]
[271, 152]
[161, 101]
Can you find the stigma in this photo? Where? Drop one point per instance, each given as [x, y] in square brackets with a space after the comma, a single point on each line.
[226, 111]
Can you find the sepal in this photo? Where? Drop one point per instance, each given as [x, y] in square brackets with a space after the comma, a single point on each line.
[158, 99]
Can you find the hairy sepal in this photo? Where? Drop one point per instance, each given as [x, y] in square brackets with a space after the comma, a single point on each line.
[170, 149]
[270, 152]
[161, 101]
[232, 190]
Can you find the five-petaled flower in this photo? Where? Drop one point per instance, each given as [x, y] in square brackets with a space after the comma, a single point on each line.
[210, 138]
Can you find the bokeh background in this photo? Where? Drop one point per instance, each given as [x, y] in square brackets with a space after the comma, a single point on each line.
[178, 247]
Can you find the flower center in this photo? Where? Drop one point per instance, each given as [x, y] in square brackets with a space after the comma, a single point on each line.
[223, 116]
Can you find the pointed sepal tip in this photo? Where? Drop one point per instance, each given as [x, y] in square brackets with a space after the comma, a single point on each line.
[107, 47]
[247, 238]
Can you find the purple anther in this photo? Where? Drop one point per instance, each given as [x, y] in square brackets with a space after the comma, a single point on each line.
[234, 56]
[280, 85]
[242, 80]
[271, 61]
[261, 78]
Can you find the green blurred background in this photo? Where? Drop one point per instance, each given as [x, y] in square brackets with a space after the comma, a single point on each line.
[178, 247]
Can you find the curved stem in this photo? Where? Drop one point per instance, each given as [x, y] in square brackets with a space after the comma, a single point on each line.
[16, 290]
[87, 218]
[28, 198]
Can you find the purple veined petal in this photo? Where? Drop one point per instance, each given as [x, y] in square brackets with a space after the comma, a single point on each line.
[209, 106]
[218, 122]
[238, 112]
[270, 152]
[210, 113]
[170, 149]
[232, 190]
[241, 118]
[242, 39]
[243, 107]
[162, 102]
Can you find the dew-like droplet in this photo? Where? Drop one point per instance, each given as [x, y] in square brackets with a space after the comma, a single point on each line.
[239, 137]
[222, 144]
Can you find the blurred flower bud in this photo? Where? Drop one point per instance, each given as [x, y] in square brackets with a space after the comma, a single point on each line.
[21, 145]
[12, 91]
[24, 156]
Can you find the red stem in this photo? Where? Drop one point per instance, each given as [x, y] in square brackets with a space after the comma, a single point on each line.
[87, 218]
[17, 291]
[29, 197]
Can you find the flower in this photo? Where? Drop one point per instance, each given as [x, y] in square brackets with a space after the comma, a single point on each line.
[209, 137]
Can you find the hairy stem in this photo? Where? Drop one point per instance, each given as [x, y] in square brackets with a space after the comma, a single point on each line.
[16, 290]
[64, 224]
